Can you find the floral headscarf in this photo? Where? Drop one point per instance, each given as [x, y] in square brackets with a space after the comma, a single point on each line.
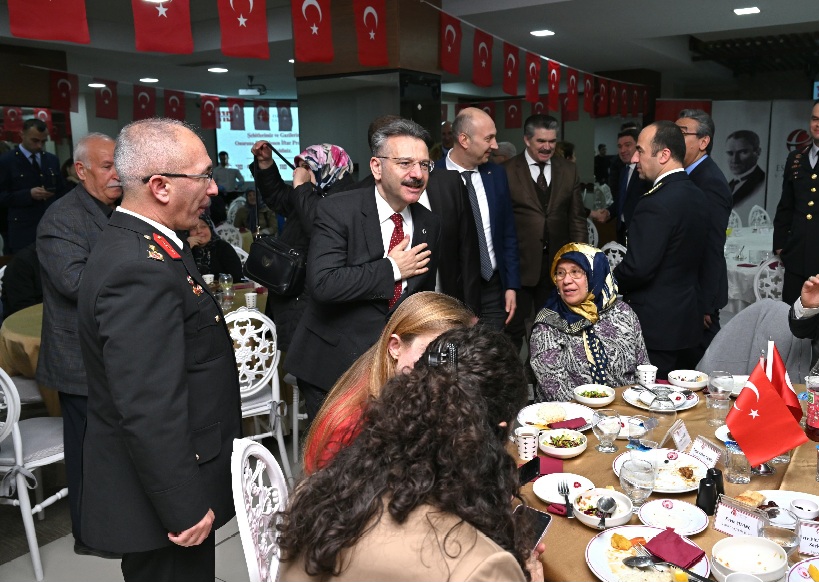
[328, 162]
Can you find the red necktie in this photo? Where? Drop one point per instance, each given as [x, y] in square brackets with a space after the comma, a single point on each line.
[397, 237]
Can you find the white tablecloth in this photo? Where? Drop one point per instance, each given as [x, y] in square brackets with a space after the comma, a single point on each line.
[742, 248]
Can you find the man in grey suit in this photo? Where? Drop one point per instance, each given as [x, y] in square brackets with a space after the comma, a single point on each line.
[65, 236]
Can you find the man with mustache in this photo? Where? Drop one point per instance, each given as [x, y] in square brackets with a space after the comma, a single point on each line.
[548, 209]
[370, 248]
[65, 237]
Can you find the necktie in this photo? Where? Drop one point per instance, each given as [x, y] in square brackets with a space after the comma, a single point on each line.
[35, 165]
[541, 179]
[397, 237]
[486, 262]
[733, 185]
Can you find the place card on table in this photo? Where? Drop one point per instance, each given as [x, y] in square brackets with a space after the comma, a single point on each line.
[680, 436]
[706, 451]
[736, 519]
[809, 538]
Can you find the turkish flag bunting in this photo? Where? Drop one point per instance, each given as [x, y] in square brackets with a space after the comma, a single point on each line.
[513, 109]
[635, 100]
[285, 115]
[144, 102]
[588, 93]
[244, 28]
[163, 27]
[511, 69]
[261, 116]
[175, 104]
[602, 98]
[571, 90]
[541, 106]
[460, 107]
[644, 104]
[487, 107]
[44, 115]
[482, 59]
[12, 119]
[565, 114]
[761, 423]
[47, 20]
[450, 43]
[778, 375]
[532, 77]
[312, 31]
[236, 108]
[371, 30]
[105, 99]
[554, 85]
[625, 99]
[64, 91]
[444, 112]
[210, 112]
[614, 97]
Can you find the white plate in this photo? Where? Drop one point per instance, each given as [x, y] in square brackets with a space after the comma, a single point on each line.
[668, 481]
[686, 519]
[573, 410]
[632, 396]
[722, 433]
[783, 498]
[799, 573]
[546, 487]
[597, 552]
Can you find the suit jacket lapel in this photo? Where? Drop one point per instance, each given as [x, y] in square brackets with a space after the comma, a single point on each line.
[92, 208]
[371, 226]
[489, 188]
[420, 234]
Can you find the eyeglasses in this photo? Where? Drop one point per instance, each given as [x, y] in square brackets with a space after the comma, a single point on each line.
[407, 164]
[574, 274]
[208, 176]
[689, 133]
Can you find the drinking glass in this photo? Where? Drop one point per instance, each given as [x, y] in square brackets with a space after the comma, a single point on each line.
[662, 414]
[637, 481]
[228, 294]
[638, 426]
[225, 281]
[718, 399]
[782, 527]
[606, 427]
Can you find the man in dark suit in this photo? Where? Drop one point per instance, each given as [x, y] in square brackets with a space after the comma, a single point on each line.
[796, 222]
[549, 213]
[361, 263]
[660, 272]
[743, 150]
[488, 192]
[803, 319]
[65, 237]
[30, 180]
[698, 130]
[625, 183]
[163, 390]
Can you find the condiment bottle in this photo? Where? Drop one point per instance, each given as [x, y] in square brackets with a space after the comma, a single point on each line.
[812, 421]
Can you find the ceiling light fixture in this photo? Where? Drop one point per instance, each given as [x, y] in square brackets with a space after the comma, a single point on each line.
[96, 85]
[543, 32]
[744, 11]
[148, 80]
[217, 70]
[291, 61]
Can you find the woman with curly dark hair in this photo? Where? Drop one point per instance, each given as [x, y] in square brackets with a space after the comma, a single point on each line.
[425, 491]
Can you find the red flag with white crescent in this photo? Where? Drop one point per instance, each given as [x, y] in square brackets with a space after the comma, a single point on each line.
[64, 91]
[602, 98]
[450, 44]
[635, 100]
[163, 27]
[44, 115]
[614, 97]
[571, 90]
[285, 115]
[781, 381]
[106, 100]
[588, 93]
[371, 31]
[513, 109]
[312, 31]
[144, 102]
[511, 68]
[625, 99]
[541, 106]
[209, 117]
[46, 20]
[175, 104]
[261, 116]
[532, 77]
[236, 108]
[487, 107]
[565, 114]
[243, 25]
[12, 119]
[644, 103]
[482, 59]
[554, 85]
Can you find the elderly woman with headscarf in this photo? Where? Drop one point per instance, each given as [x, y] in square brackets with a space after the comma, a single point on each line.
[584, 334]
[321, 170]
[212, 254]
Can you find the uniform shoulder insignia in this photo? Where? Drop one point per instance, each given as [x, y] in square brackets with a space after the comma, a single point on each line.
[155, 254]
[166, 246]
[656, 187]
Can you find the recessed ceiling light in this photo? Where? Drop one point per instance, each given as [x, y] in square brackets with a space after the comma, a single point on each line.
[148, 80]
[217, 70]
[743, 11]
[291, 61]
[542, 33]
[96, 85]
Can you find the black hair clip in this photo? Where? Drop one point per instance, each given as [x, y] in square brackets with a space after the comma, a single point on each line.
[449, 355]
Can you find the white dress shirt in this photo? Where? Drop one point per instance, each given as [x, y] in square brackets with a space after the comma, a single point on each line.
[169, 233]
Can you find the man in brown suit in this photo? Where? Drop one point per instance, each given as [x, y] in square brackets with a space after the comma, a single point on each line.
[549, 212]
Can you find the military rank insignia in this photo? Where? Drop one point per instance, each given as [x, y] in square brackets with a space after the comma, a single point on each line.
[160, 240]
[155, 254]
[197, 289]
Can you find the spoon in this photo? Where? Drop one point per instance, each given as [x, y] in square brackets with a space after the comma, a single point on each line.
[605, 506]
[650, 562]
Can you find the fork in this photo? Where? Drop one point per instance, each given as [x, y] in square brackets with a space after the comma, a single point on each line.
[642, 552]
[563, 489]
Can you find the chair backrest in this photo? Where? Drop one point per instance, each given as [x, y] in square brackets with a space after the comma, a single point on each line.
[229, 233]
[734, 220]
[593, 238]
[234, 208]
[758, 216]
[615, 252]
[254, 345]
[2, 271]
[768, 280]
[9, 405]
[259, 494]
[241, 252]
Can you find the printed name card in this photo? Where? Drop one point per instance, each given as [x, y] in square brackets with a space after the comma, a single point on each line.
[735, 519]
[809, 541]
[706, 451]
[679, 433]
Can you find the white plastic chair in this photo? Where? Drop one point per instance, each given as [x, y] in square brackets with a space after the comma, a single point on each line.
[259, 494]
[27, 390]
[615, 252]
[234, 208]
[768, 280]
[2, 271]
[257, 359]
[734, 221]
[229, 233]
[759, 216]
[593, 237]
[34, 443]
[241, 252]
[295, 415]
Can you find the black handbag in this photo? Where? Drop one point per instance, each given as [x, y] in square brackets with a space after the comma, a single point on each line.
[276, 265]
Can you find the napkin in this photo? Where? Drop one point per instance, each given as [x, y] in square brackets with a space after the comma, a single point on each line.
[670, 547]
[556, 508]
[747, 265]
[549, 465]
[572, 423]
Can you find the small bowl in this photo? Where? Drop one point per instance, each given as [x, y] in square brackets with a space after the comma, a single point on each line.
[594, 402]
[562, 452]
[739, 384]
[621, 515]
[805, 508]
[758, 556]
[690, 379]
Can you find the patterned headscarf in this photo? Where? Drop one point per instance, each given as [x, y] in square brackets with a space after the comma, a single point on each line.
[573, 319]
[328, 162]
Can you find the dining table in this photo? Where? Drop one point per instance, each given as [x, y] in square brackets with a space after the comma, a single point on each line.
[566, 539]
[745, 249]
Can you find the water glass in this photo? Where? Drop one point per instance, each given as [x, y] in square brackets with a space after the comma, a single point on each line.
[717, 407]
[638, 426]
[662, 415]
[606, 427]
[782, 527]
[737, 468]
[645, 450]
[637, 481]
[225, 281]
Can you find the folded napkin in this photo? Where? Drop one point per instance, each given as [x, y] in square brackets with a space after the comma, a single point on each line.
[556, 508]
[549, 465]
[658, 381]
[670, 547]
[572, 423]
[747, 265]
